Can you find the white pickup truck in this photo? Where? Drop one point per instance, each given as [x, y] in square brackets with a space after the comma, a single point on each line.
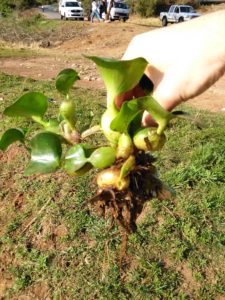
[71, 9]
[177, 14]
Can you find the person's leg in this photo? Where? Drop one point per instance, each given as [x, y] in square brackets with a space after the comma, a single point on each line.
[97, 15]
[92, 16]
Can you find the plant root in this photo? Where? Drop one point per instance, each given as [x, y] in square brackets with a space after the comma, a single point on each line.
[125, 206]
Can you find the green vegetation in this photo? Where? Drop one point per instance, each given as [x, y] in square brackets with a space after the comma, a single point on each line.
[10, 52]
[31, 30]
[128, 178]
[26, 29]
[146, 8]
[7, 6]
[68, 252]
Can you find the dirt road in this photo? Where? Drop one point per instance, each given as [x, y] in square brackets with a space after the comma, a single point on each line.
[109, 40]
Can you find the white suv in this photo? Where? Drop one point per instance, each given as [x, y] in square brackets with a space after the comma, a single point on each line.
[71, 10]
[119, 11]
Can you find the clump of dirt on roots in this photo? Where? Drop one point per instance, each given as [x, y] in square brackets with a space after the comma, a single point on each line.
[124, 207]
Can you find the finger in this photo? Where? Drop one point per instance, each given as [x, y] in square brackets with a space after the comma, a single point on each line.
[136, 92]
[123, 97]
[147, 120]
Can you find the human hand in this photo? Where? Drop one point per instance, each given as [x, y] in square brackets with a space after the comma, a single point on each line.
[184, 60]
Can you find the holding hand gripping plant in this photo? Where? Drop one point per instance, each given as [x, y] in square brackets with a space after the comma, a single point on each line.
[128, 177]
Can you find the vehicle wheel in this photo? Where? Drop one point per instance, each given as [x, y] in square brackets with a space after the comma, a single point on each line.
[124, 19]
[82, 19]
[164, 22]
[181, 20]
[61, 17]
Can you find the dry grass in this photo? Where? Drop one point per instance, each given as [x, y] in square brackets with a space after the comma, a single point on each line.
[151, 22]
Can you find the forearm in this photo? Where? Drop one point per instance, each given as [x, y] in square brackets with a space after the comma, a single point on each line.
[213, 35]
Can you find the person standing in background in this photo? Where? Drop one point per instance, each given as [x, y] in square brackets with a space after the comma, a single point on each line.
[94, 11]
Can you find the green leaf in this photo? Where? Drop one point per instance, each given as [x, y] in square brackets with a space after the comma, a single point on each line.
[10, 136]
[53, 125]
[65, 80]
[88, 149]
[46, 153]
[75, 159]
[158, 113]
[127, 167]
[119, 75]
[130, 109]
[31, 104]
[86, 168]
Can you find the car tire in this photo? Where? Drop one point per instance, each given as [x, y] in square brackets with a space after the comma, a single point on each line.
[181, 20]
[61, 17]
[164, 22]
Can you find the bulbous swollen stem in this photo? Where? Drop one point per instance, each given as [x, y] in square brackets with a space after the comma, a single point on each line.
[72, 136]
[67, 110]
[110, 179]
[147, 139]
[125, 146]
[107, 117]
[110, 100]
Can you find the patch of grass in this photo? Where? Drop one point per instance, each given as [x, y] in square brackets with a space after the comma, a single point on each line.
[10, 52]
[32, 29]
[36, 21]
[68, 252]
[149, 22]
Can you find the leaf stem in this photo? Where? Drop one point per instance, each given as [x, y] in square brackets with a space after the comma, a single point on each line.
[40, 121]
[90, 131]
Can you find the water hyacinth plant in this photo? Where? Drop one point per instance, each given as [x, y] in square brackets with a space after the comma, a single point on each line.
[127, 177]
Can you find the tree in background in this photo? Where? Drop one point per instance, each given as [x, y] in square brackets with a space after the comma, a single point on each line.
[86, 4]
[6, 7]
[149, 8]
[146, 8]
[22, 4]
[131, 5]
[9, 5]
